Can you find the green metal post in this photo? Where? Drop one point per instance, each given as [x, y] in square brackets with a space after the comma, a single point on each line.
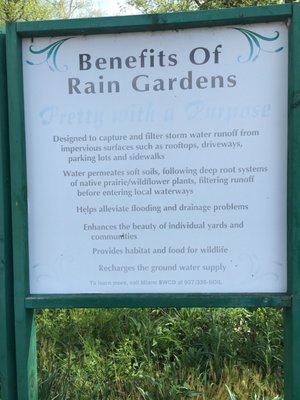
[25, 337]
[292, 314]
[7, 346]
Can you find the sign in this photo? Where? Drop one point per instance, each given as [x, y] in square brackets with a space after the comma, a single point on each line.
[188, 113]
[157, 161]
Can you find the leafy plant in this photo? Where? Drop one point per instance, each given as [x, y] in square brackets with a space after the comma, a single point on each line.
[160, 354]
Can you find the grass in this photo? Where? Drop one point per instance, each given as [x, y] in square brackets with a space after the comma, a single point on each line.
[160, 354]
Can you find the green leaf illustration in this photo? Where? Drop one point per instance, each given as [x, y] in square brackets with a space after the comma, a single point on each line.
[50, 53]
[255, 41]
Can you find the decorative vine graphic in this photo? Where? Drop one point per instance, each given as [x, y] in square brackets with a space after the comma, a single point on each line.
[255, 41]
[50, 53]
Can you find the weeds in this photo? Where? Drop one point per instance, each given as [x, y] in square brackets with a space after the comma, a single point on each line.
[160, 354]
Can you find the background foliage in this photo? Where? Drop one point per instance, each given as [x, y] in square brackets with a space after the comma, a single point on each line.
[159, 6]
[31, 10]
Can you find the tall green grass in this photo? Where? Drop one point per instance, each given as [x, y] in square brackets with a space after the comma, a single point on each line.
[160, 354]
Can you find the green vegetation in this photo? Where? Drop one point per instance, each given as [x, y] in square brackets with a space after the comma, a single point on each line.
[160, 6]
[160, 354]
[31, 10]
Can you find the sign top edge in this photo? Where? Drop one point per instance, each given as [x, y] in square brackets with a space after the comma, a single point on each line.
[155, 22]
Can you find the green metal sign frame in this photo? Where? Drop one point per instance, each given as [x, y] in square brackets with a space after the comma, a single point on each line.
[25, 304]
[7, 346]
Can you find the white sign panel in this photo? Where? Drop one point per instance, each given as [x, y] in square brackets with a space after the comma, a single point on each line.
[157, 161]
